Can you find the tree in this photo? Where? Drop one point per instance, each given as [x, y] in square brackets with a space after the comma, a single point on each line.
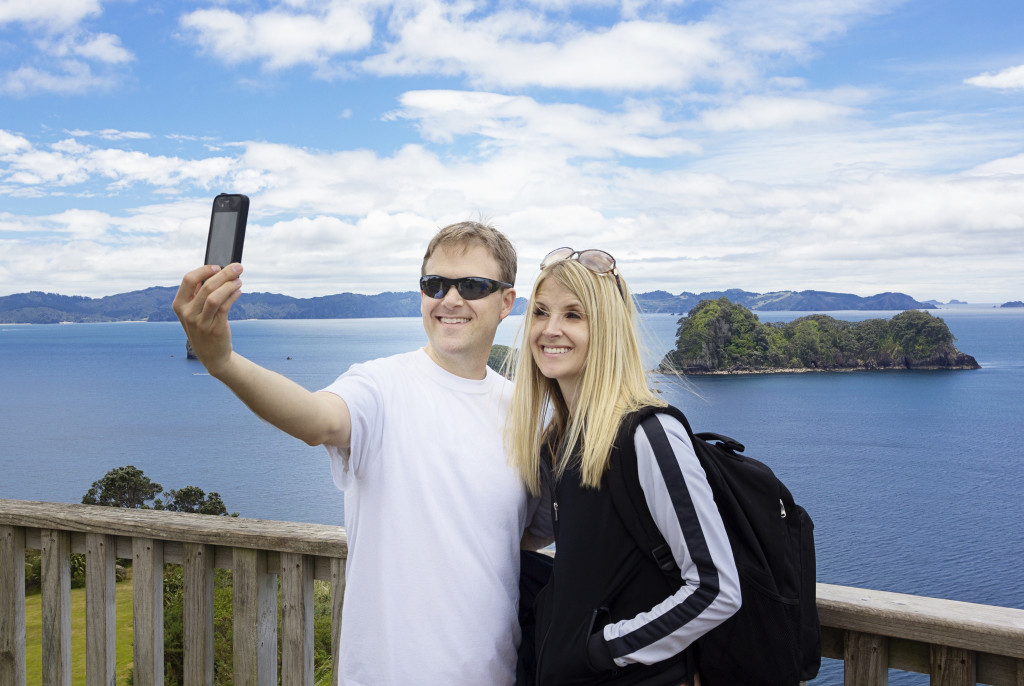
[123, 487]
[194, 499]
[499, 356]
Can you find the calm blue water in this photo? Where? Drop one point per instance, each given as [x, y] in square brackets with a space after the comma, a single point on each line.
[914, 479]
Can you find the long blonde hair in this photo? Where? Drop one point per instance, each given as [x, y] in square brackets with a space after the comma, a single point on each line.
[612, 383]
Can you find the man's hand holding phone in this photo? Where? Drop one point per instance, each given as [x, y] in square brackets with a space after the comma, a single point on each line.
[202, 304]
[206, 294]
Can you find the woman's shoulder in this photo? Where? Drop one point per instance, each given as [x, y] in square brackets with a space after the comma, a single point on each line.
[667, 413]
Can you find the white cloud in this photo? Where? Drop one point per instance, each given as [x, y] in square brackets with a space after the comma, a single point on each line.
[516, 49]
[317, 216]
[278, 38]
[48, 14]
[519, 121]
[111, 134]
[69, 77]
[1001, 167]
[58, 54]
[791, 28]
[104, 47]
[772, 112]
[12, 143]
[1007, 79]
[72, 163]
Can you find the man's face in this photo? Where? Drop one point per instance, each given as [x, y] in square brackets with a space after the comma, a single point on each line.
[460, 332]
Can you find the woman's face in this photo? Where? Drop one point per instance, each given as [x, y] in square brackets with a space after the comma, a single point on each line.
[559, 336]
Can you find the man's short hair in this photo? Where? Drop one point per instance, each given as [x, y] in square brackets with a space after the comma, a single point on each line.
[465, 234]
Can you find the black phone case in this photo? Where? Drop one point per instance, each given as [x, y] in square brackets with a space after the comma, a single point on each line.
[229, 203]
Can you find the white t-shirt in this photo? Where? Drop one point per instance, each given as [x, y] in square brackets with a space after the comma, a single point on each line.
[434, 516]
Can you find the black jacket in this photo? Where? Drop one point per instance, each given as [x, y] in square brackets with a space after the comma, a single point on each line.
[602, 578]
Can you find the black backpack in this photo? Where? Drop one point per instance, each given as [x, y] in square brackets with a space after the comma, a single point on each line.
[774, 639]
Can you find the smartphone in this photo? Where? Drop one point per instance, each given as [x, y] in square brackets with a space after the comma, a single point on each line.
[227, 229]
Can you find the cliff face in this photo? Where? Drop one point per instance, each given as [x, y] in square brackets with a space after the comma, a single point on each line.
[719, 337]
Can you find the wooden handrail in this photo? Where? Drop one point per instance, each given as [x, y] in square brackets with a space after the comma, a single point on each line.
[957, 643]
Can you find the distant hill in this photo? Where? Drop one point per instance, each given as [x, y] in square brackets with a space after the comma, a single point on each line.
[154, 305]
[797, 301]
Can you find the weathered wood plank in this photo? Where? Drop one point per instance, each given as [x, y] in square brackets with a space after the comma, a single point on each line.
[100, 610]
[55, 547]
[148, 612]
[953, 667]
[296, 620]
[1000, 670]
[866, 660]
[952, 623]
[197, 621]
[338, 582]
[12, 605]
[255, 619]
[231, 532]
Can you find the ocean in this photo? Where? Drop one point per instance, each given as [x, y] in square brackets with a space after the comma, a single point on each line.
[914, 479]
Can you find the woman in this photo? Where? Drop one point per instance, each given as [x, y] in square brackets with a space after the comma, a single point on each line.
[609, 615]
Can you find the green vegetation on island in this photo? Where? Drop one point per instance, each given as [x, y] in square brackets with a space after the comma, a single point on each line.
[721, 337]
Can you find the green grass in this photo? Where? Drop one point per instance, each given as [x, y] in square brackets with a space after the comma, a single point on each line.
[34, 635]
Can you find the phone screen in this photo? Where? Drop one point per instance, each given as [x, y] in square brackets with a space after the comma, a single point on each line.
[227, 229]
[222, 238]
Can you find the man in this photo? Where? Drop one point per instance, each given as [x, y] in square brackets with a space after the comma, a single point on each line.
[433, 511]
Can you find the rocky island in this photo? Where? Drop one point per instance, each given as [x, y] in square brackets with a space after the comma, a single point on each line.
[721, 337]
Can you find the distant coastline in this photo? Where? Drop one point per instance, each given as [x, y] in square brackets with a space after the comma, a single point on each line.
[154, 305]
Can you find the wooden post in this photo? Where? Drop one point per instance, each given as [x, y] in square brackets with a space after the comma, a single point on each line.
[337, 604]
[12, 605]
[56, 606]
[953, 666]
[866, 658]
[148, 611]
[198, 614]
[100, 609]
[255, 619]
[296, 619]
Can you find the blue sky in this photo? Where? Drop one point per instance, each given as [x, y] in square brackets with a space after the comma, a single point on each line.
[856, 146]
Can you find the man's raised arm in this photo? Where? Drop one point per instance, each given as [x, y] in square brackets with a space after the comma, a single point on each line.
[202, 304]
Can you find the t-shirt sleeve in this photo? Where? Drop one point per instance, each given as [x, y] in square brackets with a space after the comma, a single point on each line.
[360, 389]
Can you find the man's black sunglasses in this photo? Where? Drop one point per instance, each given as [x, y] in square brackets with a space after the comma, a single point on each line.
[469, 287]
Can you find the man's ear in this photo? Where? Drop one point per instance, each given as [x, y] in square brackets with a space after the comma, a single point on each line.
[508, 300]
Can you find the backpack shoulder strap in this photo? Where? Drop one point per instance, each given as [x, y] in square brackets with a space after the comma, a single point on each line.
[626, 491]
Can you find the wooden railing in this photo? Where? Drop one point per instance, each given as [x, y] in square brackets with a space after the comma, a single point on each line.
[870, 631]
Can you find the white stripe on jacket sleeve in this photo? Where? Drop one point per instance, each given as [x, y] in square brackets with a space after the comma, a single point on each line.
[680, 500]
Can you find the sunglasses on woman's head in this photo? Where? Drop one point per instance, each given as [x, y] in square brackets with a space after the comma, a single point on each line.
[597, 261]
[468, 287]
